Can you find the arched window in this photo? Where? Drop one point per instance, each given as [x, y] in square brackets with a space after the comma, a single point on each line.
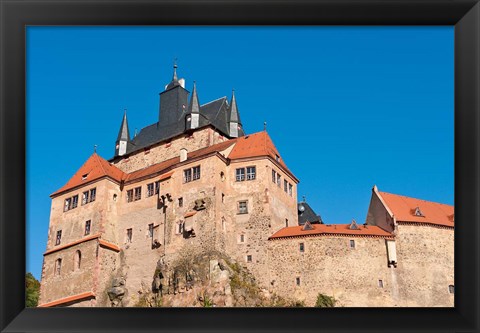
[77, 260]
[58, 267]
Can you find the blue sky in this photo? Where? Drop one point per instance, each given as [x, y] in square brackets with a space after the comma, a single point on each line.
[347, 107]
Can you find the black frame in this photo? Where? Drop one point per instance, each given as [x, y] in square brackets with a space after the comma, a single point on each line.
[15, 15]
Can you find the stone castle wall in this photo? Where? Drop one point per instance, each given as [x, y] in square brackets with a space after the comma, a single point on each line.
[425, 264]
[168, 149]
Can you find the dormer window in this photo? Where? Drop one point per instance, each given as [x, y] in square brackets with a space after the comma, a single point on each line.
[417, 212]
[353, 225]
[452, 217]
[84, 177]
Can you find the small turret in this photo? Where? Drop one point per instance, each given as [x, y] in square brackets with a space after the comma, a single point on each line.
[234, 123]
[193, 118]
[123, 137]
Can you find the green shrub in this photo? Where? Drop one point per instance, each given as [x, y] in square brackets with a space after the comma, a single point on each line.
[324, 301]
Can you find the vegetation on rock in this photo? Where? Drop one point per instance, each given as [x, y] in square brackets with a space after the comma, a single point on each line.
[324, 301]
[32, 286]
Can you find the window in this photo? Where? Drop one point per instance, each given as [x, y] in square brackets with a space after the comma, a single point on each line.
[84, 177]
[129, 195]
[88, 224]
[196, 172]
[249, 258]
[59, 237]
[302, 247]
[290, 189]
[352, 244]
[187, 175]
[279, 180]
[74, 201]
[58, 267]
[242, 238]
[274, 176]
[157, 187]
[285, 185]
[277, 158]
[180, 228]
[240, 175]
[89, 196]
[251, 173]
[380, 283]
[85, 198]
[223, 197]
[77, 260]
[451, 289]
[93, 194]
[71, 203]
[150, 230]
[138, 193]
[180, 202]
[297, 281]
[286, 222]
[129, 235]
[150, 190]
[242, 207]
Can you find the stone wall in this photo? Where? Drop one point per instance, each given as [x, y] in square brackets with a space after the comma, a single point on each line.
[70, 281]
[168, 149]
[330, 266]
[425, 255]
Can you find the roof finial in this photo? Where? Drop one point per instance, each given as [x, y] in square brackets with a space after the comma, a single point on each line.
[264, 126]
[95, 149]
[175, 70]
[304, 199]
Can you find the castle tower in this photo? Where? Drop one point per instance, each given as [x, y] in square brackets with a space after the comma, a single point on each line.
[123, 138]
[193, 121]
[173, 101]
[234, 123]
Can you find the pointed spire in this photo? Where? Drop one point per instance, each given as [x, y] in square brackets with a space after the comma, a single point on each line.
[194, 106]
[175, 70]
[174, 81]
[235, 125]
[234, 116]
[123, 133]
[123, 137]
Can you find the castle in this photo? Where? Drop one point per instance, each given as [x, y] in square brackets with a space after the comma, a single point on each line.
[194, 177]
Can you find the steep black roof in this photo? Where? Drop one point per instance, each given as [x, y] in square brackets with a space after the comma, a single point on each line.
[307, 214]
[174, 108]
[213, 113]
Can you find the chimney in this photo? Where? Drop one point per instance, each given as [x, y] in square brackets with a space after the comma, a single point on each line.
[183, 154]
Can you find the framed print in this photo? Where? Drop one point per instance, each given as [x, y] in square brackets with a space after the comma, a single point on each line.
[185, 213]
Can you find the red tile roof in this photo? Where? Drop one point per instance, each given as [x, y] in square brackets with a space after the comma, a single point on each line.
[68, 299]
[94, 168]
[403, 208]
[331, 230]
[256, 145]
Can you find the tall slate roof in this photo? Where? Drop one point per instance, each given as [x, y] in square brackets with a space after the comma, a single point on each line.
[307, 214]
[217, 113]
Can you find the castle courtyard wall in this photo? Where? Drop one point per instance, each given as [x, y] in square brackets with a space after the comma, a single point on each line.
[425, 269]
[331, 267]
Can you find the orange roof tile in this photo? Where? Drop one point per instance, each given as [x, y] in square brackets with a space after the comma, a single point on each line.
[188, 214]
[256, 145]
[82, 240]
[94, 168]
[331, 230]
[68, 299]
[403, 208]
[109, 245]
